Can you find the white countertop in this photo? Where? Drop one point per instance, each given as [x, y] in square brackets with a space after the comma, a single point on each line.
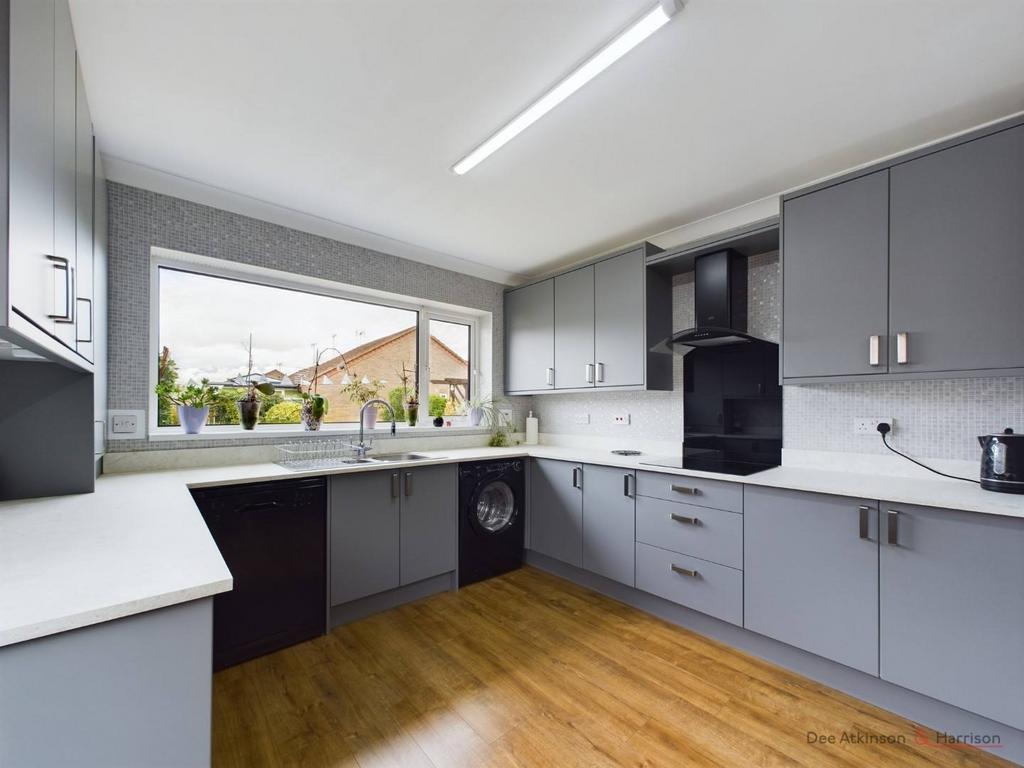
[139, 543]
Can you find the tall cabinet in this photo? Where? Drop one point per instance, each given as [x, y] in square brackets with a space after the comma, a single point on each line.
[598, 326]
[910, 269]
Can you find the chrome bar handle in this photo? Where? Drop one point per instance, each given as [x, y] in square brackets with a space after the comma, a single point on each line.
[577, 480]
[902, 347]
[60, 263]
[865, 511]
[90, 324]
[549, 376]
[894, 528]
[684, 519]
[590, 373]
[408, 483]
[600, 372]
[874, 350]
[685, 571]
[625, 485]
[394, 485]
[686, 490]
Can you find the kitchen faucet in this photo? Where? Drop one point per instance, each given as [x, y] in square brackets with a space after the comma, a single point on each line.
[361, 449]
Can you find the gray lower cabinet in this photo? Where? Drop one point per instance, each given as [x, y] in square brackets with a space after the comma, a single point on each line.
[710, 534]
[952, 608]
[609, 522]
[810, 573]
[957, 250]
[574, 329]
[530, 337]
[835, 245]
[364, 534]
[428, 522]
[556, 510]
[130, 692]
[619, 342]
[390, 528]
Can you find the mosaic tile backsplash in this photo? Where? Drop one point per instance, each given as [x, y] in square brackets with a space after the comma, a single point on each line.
[140, 220]
[934, 419]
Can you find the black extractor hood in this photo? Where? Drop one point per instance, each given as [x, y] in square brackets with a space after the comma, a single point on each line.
[720, 302]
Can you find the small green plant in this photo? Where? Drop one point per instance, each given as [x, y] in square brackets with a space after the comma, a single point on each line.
[437, 405]
[192, 395]
[319, 404]
[253, 391]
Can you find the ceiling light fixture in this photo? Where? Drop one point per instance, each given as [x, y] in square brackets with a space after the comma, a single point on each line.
[650, 23]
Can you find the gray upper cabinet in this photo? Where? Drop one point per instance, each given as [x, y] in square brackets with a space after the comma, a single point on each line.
[910, 270]
[609, 513]
[599, 325]
[619, 340]
[956, 263]
[429, 535]
[47, 303]
[952, 608]
[364, 534]
[530, 338]
[30, 125]
[835, 250]
[85, 320]
[556, 510]
[574, 329]
[810, 573]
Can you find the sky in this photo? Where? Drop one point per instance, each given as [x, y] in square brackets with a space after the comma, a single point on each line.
[206, 322]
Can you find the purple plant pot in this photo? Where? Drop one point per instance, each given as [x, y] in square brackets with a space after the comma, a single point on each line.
[193, 419]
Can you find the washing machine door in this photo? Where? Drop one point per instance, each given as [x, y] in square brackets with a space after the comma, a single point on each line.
[494, 508]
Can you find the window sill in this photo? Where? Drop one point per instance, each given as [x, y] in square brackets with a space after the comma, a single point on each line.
[295, 431]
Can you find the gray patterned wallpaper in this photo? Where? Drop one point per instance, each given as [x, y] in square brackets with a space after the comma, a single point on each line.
[140, 219]
[934, 419]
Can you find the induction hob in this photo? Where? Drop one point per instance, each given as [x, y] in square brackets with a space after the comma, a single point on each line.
[709, 464]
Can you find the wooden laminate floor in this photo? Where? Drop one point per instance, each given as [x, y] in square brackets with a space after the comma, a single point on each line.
[531, 670]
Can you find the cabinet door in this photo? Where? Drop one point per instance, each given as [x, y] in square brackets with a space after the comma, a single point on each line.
[957, 257]
[834, 278]
[430, 500]
[952, 608]
[364, 535]
[556, 510]
[85, 320]
[99, 262]
[574, 329]
[810, 577]
[65, 226]
[619, 320]
[30, 158]
[530, 337]
[609, 522]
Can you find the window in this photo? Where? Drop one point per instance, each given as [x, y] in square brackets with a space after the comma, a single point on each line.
[348, 348]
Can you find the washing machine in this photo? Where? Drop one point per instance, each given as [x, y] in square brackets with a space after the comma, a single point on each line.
[492, 518]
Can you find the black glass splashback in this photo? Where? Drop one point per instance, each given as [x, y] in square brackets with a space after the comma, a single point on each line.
[732, 406]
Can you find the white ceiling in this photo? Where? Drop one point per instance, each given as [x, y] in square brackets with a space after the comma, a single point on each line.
[354, 111]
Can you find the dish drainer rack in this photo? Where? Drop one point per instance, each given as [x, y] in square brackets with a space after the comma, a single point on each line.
[317, 454]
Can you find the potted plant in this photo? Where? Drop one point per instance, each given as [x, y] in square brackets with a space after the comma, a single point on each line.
[315, 405]
[412, 403]
[193, 403]
[249, 404]
[480, 408]
[412, 410]
[361, 391]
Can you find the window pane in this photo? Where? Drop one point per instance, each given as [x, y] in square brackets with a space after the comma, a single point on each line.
[204, 330]
[449, 367]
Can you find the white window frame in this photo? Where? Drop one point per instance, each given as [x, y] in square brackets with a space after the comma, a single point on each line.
[479, 322]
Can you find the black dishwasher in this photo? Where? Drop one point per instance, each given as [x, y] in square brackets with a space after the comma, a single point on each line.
[273, 538]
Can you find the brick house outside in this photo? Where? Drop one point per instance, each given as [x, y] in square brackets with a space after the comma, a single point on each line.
[383, 359]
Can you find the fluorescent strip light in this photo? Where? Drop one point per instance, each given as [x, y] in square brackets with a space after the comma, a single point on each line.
[586, 72]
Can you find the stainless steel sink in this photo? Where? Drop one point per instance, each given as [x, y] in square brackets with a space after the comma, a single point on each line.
[389, 457]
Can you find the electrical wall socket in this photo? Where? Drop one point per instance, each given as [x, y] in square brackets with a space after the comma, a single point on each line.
[869, 426]
[126, 425]
[621, 419]
[582, 418]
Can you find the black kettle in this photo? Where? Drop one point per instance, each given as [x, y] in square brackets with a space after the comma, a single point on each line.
[1002, 462]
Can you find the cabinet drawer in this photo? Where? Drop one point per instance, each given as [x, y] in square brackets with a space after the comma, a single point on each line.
[710, 534]
[717, 494]
[714, 589]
